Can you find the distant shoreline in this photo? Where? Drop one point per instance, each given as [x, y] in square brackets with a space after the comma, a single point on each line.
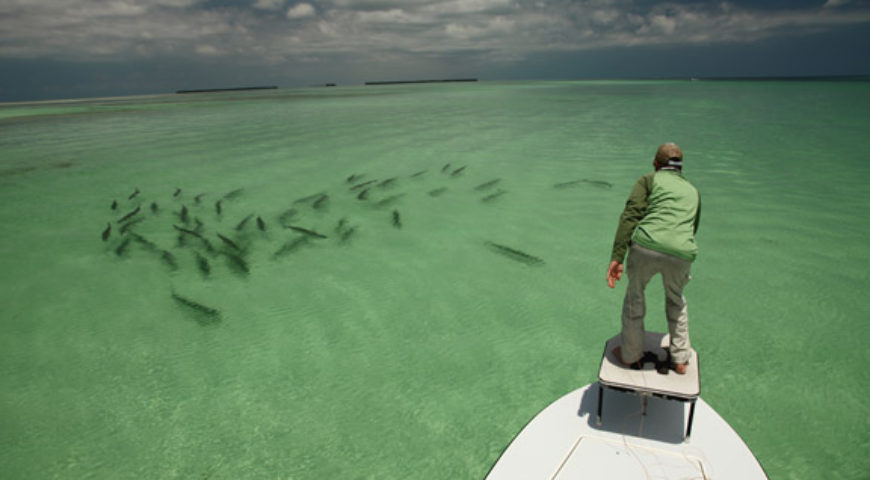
[856, 78]
[794, 78]
[398, 82]
[234, 89]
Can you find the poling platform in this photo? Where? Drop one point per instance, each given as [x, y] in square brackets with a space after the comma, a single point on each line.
[647, 381]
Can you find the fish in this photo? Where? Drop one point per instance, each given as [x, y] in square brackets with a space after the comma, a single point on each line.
[129, 215]
[130, 224]
[237, 263]
[320, 201]
[154, 207]
[340, 226]
[363, 194]
[184, 214]
[132, 195]
[291, 246]
[122, 248]
[188, 231]
[207, 315]
[437, 191]
[241, 224]
[229, 242]
[235, 193]
[514, 254]
[390, 200]
[361, 185]
[386, 183]
[205, 242]
[114, 204]
[397, 222]
[599, 183]
[493, 196]
[573, 183]
[345, 236]
[567, 184]
[261, 224]
[217, 207]
[199, 225]
[148, 244]
[107, 231]
[309, 198]
[202, 263]
[444, 168]
[457, 171]
[421, 172]
[198, 198]
[169, 259]
[484, 186]
[306, 231]
[354, 178]
[177, 192]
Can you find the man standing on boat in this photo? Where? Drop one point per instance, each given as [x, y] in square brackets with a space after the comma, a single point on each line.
[657, 228]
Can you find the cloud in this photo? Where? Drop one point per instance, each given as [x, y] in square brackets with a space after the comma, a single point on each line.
[388, 30]
[392, 16]
[209, 50]
[269, 4]
[301, 10]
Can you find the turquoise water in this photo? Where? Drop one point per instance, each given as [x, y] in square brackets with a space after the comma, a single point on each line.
[415, 350]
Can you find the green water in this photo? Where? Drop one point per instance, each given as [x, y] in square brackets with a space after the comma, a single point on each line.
[419, 351]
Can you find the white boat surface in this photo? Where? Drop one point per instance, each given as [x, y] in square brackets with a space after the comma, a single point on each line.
[642, 434]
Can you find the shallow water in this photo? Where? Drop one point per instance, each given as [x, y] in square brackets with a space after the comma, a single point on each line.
[417, 350]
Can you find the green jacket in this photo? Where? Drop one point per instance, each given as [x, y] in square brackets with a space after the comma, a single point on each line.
[662, 214]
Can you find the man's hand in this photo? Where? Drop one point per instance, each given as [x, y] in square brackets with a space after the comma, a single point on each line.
[614, 273]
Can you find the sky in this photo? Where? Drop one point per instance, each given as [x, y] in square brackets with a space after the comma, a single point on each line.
[86, 48]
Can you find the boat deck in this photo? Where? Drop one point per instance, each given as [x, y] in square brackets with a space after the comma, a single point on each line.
[564, 441]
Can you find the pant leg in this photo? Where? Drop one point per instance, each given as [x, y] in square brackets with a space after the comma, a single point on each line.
[640, 267]
[675, 276]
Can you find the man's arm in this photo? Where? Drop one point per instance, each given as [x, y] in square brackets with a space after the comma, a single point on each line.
[635, 209]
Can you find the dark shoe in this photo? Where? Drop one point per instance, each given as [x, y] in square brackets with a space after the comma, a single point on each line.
[648, 357]
[637, 365]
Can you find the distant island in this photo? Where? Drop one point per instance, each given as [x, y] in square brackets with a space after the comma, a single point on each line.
[446, 80]
[235, 89]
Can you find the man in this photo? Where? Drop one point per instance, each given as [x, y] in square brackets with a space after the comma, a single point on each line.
[657, 228]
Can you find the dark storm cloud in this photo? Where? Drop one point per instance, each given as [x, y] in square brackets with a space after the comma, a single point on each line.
[280, 30]
[356, 39]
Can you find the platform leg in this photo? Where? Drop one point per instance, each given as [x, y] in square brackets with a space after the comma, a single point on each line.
[691, 419]
[600, 401]
[644, 399]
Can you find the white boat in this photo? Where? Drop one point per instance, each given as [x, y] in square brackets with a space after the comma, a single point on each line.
[651, 426]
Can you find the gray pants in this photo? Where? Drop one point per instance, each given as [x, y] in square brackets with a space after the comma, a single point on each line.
[641, 265]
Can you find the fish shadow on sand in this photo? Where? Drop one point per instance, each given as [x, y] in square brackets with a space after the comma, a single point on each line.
[203, 315]
[514, 254]
[583, 181]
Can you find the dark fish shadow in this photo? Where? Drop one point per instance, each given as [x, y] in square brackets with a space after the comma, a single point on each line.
[236, 263]
[514, 254]
[586, 181]
[203, 315]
